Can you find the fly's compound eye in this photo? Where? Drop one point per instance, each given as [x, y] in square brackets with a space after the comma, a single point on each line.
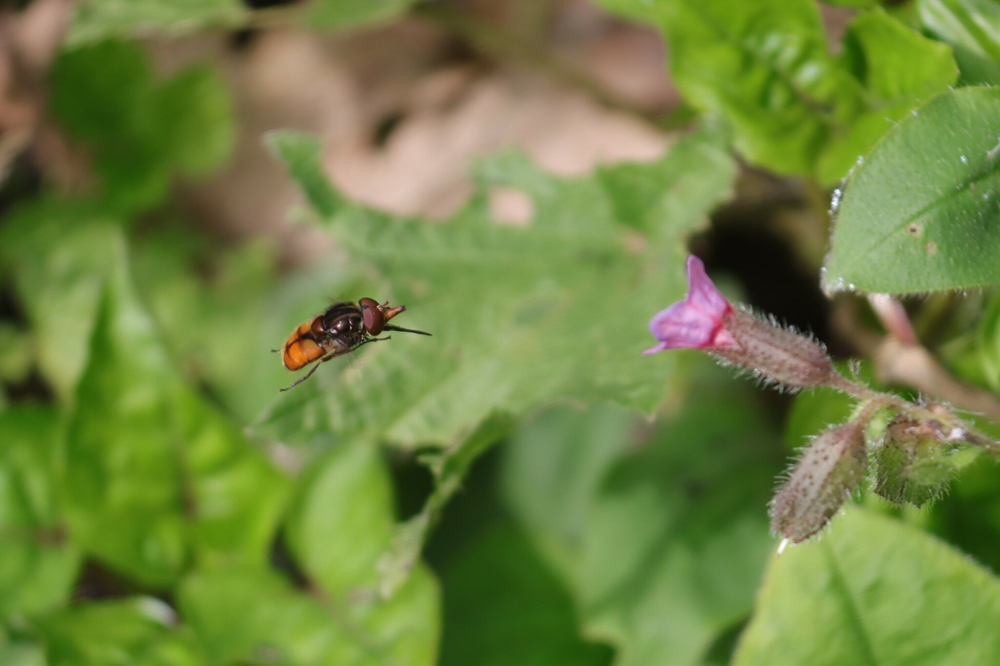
[373, 317]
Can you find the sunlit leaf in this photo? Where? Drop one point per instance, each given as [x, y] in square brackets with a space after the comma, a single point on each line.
[921, 213]
[16, 353]
[56, 251]
[342, 522]
[153, 476]
[874, 591]
[520, 315]
[793, 106]
[764, 65]
[148, 461]
[898, 68]
[972, 28]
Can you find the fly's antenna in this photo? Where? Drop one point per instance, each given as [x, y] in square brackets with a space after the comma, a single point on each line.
[390, 327]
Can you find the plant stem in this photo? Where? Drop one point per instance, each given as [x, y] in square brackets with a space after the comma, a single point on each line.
[955, 429]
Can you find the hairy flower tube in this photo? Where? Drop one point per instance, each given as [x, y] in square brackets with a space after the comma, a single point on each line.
[706, 320]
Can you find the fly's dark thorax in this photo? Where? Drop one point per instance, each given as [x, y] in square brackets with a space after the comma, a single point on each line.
[344, 326]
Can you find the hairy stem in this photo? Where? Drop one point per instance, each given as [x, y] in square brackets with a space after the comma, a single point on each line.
[953, 428]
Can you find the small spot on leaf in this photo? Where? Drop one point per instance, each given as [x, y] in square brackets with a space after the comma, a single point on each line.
[511, 206]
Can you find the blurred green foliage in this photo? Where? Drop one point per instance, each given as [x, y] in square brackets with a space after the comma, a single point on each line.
[142, 132]
[794, 106]
[838, 601]
[496, 494]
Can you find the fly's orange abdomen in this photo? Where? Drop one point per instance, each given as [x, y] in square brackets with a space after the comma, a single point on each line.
[300, 348]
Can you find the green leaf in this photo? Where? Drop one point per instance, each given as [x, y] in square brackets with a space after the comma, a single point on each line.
[676, 535]
[191, 120]
[898, 68]
[16, 353]
[257, 616]
[449, 469]
[57, 253]
[153, 475]
[21, 653]
[140, 132]
[552, 467]
[234, 498]
[520, 315]
[301, 154]
[37, 565]
[93, 21]
[765, 65]
[194, 290]
[100, 93]
[152, 471]
[972, 28]
[669, 197]
[132, 632]
[343, 13]
[874, 591]
[894, 62]
[96, 89]
[342, 521]
[988, 344]
[503, 606]
[921, 213]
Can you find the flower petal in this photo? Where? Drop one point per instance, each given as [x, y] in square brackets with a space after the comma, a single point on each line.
[695, 322]
[702, 292]
[686, 325]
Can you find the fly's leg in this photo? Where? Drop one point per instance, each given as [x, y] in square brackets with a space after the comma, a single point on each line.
[331, 356]
[367, 340]
[307, 376]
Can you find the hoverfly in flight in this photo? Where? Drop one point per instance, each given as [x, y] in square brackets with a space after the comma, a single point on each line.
[340, 330]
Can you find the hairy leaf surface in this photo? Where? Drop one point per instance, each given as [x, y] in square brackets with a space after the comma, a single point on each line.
[520, 315]
[921, 213]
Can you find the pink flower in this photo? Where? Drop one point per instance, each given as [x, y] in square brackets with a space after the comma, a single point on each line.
[695, 322]
[706, 320]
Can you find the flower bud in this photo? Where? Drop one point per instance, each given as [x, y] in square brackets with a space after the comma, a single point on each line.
[829, 470]
[705, 320]
[912, 462]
